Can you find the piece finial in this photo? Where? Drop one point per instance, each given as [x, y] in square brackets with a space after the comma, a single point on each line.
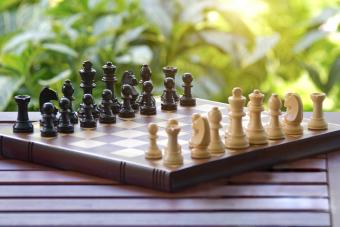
[237, 92]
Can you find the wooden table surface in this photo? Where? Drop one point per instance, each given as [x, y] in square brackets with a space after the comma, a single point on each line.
[302, 193]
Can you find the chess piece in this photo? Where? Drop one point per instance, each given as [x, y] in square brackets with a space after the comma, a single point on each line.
[235, 138]
[201, 140]
[317, 122]
[109, 78]
[64, 122]
[88, 120]
[145, 74]
[170, 71]
[294, 114]
[22, 124]
[215, 146]
[173, 151]
[126, 110]
[130, 79]
[48, 129]
[194, 117]
[148, 103]
[168, 100]
[274, 128]
[68, 92]
[255, 131]
[106, 115]
[153, 151]
[187, 99]
[48, 95]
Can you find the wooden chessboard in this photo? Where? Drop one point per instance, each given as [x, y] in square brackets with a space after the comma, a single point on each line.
[117, 151]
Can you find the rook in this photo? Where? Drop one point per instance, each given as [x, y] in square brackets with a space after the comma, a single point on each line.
[22, 124]
[173, 151]
[317, 122]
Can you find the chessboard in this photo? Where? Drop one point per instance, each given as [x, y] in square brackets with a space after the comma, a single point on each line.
[117, 151]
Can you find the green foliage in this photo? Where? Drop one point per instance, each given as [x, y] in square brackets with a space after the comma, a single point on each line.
[271, 47]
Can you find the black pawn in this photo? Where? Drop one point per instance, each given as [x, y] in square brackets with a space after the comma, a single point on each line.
[87, 120]
[106, 114]
[68, 92]
[65, 125]
[23, 124]
[126, 111]
[170, 71]
[48, 129]
[187, 99]
[148, 103]
[168, 101]
[47, 95]
[109, 78]
[130, 79]
[145, 75]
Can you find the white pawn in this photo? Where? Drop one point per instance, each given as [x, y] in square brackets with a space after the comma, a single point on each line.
[255, 131]
[172, 152]
[201, 139]
[294, 114]
[235, 138]
[215, 146]
[153, 152]
[274, 128]
[317, 122]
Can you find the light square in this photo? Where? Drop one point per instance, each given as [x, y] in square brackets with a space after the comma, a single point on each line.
[88, 134]
[164, 142]
[128, 124]
[169, 115]
[129, 153]
[207, 107]
[129, 143]
[129, 133]
[87, 144]
[163, 124]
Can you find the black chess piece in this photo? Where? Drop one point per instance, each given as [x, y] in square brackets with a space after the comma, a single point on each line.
[170, 71]
[127, 110]
[106, 114]
[68, 92]
[148, 102]
[145, 75]
[169, 103]
[47, 95]
[48, 128]
[64, 123]
[130, 79]
[22, 124]
[109, 78]
[187, 99]
[87, 120]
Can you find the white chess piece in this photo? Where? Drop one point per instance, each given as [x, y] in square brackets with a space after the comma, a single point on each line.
[317, 122]
[153, 152]
[255, 131]
[215, 146]
[294, 114]
[194, 131]
[172, 152]
[274, 128]
[235, 137]
[201, 139]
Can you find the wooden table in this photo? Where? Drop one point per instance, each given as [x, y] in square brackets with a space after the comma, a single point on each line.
[302, 193]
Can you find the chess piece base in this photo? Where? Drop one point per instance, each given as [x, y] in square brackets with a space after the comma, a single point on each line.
[218, 148]
[317, 124]
[48, 133]
[200, 153]
[173, 159]
[22, 127]
[293, 130]
[275, 133]
[237, 142]
[107, 119]
[257, 137]
[168, 107]
[88, 124]
[124, 114]
[66, 129]
[153, 155]
[148, 111]
[188, 102]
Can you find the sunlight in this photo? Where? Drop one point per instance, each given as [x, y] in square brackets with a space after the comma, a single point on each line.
[247, 8]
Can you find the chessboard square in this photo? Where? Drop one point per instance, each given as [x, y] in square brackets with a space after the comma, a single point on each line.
[130, 133]
[170, 115]
[128, 124]
[163, 133]
[163, 124]
[130, 143]
[88, 134]
[207, 107]
[164, 142]
[129, 153]
[87, 144]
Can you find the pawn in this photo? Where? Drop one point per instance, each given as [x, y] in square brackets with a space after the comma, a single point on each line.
[130, 79]
[106, 115]
[187, 99]
[153, 152]
[317, 122]
[88, 120]
[274, 128]
[173, 151]
[48, 129]
[126, 110]
[294, 114]
[216, 145]
[168, 99]
[170, 71]
[255, 131]
[64, 122]
[148, 103]
[201, 140]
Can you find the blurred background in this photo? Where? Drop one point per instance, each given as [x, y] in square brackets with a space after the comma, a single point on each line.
[274, 45]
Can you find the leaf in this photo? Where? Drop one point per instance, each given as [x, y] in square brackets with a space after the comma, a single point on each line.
[136, 55]
[9, 85]
[128, 36]
[61, 76]
[262, 46]
[309, 39]
[315, 76]
[324, 16]
[107, 23]
[60, 48]
[333, 75]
